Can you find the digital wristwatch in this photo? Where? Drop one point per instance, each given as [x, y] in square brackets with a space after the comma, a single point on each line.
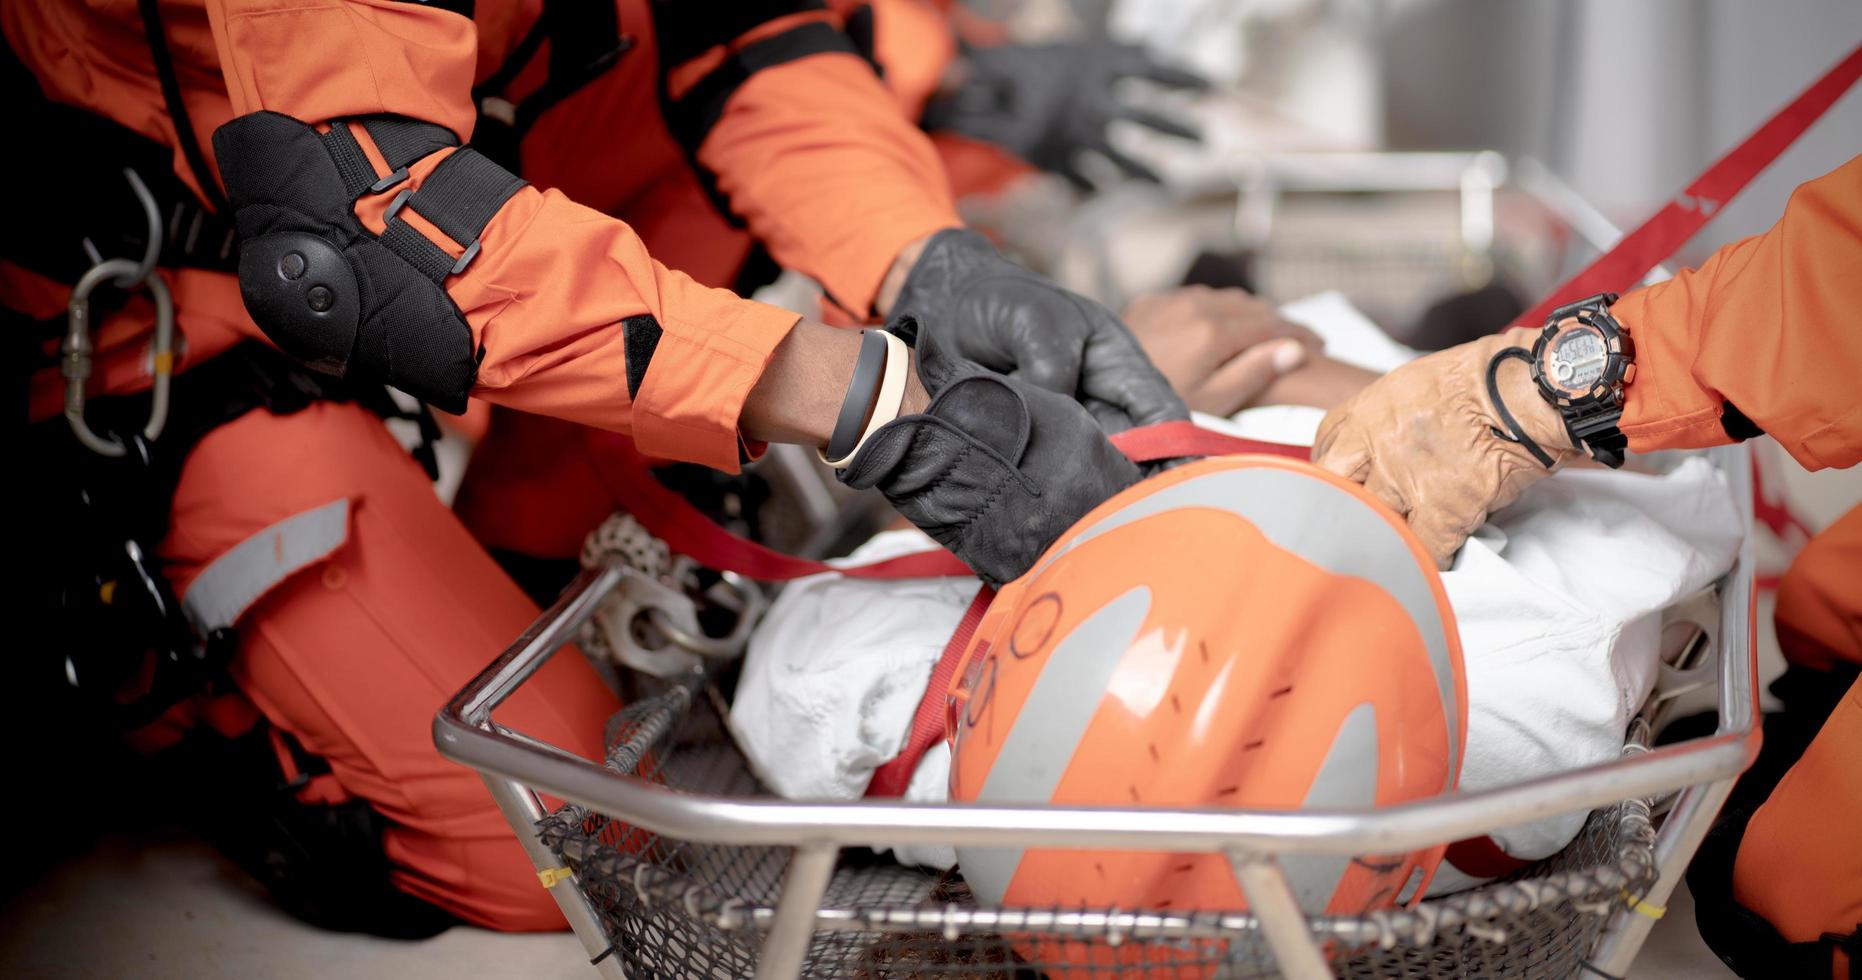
[1581, 362]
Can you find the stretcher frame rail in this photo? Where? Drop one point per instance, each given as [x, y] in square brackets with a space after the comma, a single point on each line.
[517, 768]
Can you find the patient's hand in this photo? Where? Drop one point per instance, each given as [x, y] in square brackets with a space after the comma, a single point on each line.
[1320, 382]
[1220, 348]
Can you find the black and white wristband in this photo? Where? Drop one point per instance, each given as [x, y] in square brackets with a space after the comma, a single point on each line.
[879, 382]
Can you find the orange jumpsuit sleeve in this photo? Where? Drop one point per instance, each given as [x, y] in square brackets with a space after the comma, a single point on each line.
[820, 162]
[547, 296]
[1767, 325]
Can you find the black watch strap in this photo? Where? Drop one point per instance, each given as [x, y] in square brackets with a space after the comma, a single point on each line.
[1597, 432]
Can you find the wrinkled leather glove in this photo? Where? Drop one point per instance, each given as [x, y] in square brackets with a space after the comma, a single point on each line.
[995, 469]
[1046, 103]
[989, 310]
[1422, 439]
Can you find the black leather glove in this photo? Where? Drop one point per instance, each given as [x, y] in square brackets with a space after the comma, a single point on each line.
[995, 469]
[1048, 102]
[989, 310]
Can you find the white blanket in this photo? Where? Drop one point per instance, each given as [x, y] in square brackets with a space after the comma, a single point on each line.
[1560, 647]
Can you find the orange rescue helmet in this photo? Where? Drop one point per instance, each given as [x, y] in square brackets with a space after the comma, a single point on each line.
[1248, 632]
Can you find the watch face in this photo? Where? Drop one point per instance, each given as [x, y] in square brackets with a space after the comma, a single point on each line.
[1576, 358]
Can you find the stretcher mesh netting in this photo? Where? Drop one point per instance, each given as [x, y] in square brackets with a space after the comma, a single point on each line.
[677, 910]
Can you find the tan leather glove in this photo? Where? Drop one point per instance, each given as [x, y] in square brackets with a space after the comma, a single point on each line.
[1422, 439]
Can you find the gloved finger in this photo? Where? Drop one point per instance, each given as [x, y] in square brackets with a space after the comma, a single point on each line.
[1442, 534]
[1131, 61]
[1341, 447]
[1246, 375]
[1045, 358]
[1111, 418]
[1173, 77]
[1381, 484]
[1159, 122]
[1131, 167]
[1118, 373]
[1076, 178]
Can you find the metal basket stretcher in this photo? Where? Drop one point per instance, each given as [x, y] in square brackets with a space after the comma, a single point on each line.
[669, 861]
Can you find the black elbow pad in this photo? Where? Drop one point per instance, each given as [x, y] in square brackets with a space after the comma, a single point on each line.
[323, 288]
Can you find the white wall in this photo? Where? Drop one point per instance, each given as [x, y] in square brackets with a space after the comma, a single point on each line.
[1628, 99]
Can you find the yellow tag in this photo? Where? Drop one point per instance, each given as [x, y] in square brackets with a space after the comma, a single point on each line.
[551, 877]
[1641, 907]
[107, 592]
[165, 363]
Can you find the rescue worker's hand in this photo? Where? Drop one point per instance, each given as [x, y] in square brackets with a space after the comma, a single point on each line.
[1219, 348]
[1422, 439]
[991, 311]
[995, 468]
[1046, 103]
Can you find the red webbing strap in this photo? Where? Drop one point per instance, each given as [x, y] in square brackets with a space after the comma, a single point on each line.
[1169, 440]
[1664, 234]
[687, 531]
[928, 722]
[1482, 857]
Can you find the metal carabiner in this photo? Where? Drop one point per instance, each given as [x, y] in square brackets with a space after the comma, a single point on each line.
[77, 350]
[152, 245]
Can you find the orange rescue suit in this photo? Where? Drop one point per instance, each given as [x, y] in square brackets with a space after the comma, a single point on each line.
[1770, 324]
[812, 154]
[347, 660]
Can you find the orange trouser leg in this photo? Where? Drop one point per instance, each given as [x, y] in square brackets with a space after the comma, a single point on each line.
[1800, 864]
[532, 487]
[1820, 597]
[352, 657]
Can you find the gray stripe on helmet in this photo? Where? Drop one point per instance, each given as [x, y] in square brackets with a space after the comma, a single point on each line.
[1325, 525]
[1048, 728]
[1346, 779]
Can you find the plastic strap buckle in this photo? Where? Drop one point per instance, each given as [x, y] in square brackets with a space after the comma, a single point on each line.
[387, 183]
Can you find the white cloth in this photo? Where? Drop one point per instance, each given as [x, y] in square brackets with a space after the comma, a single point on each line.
[833, 677]
[1558, 603]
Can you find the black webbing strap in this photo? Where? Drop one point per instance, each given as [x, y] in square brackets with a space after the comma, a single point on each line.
[684, 29]
[463, 193]
[177, 108]
[585, 40]
[459, 197]
[692, 116]
[402, 140]
[357, 173]
[82, 208]
[420, 252]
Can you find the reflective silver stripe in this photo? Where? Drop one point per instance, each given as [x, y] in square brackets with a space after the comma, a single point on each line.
[1059, 708]
[1346, 779]
[255, 566]
[1325, 525]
